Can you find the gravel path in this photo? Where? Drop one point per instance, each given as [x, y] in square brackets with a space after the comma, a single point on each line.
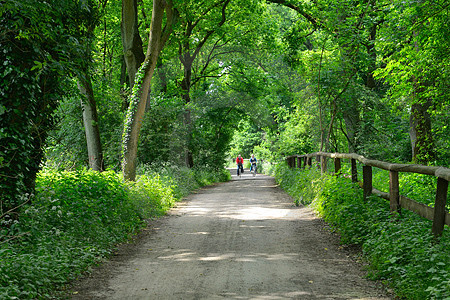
[242, 239]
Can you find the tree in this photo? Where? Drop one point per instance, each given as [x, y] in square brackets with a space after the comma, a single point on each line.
[131, 39]
[90, 121]
[87, 20]
[416, 56]
[199, 24]
[157, 39]
[37, 46]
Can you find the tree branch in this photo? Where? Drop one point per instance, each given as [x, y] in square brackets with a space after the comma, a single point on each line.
[298, 9]
[14, 208]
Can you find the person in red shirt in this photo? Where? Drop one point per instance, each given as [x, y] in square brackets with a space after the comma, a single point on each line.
[240, 162]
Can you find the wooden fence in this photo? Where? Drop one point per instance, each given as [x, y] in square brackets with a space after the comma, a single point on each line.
[437, 214]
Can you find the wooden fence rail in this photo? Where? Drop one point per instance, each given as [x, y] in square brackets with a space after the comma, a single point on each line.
[437, 214]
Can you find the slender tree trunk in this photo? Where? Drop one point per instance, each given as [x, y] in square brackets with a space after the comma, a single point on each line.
[420, 133]
[136, 110]
[330, 128]
[186, 87]
[187, 59]
[90, 121]
[370, 82]
[352, 125]
[131, 40]
[420, 121]
[319, 99]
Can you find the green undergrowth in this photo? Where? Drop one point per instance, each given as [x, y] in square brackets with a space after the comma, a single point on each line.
[400, 249]
[76, 219]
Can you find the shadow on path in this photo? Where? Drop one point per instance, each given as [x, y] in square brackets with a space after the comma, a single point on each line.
[243, 239]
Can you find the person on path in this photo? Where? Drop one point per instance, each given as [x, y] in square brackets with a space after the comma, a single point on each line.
[253, 163]
[240, 162]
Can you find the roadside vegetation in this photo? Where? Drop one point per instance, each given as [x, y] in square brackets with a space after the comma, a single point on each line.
[76, 218]
[399, 249]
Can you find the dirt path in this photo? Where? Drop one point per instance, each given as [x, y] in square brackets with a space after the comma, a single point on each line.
[243, 239]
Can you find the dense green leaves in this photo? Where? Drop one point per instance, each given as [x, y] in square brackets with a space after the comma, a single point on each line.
[32, 58]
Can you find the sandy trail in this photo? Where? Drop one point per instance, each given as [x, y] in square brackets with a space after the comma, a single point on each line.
[242, 239]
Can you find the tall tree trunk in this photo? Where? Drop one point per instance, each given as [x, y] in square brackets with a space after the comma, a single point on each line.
[186, 88]
[187, 59]
[352, 125]
[90, 121]
[420, 133]
[131, 40]
[136, 109]
[370, 82]
[420, 121]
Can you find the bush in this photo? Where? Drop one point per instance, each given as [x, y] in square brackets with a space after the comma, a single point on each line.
[151, 196]
[301, 184]
[184, 180]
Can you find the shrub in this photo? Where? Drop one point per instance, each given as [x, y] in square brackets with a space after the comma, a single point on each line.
[302, 184]
[151, 196]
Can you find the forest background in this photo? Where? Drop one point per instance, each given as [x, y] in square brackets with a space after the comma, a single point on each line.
[175, 86]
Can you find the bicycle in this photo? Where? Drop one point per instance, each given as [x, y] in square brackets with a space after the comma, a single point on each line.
[253, 169]
[240, 170]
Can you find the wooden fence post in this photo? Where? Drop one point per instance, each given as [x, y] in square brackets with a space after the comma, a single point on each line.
[318, 160]
[309, 161]
[439, 207]
[394, 192]
[367, 181]
[305, 162]
[299, 162]
[337, 166]
[323, 164]
[354, 171]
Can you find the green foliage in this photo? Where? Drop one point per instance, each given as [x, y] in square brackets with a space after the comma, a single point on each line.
[161, 139]
[74, 220]
[244, 140]
[399, 249]
[184, 180]
[296, 135]
[416, 68]
[151, 195]
[66, 144]
[302, 185]
[403, 253]
[33, 58]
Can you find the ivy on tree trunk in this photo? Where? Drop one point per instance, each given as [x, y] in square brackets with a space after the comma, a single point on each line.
[141, 88]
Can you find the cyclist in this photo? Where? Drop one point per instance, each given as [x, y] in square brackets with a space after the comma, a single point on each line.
[240, 162]
[253, 164]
